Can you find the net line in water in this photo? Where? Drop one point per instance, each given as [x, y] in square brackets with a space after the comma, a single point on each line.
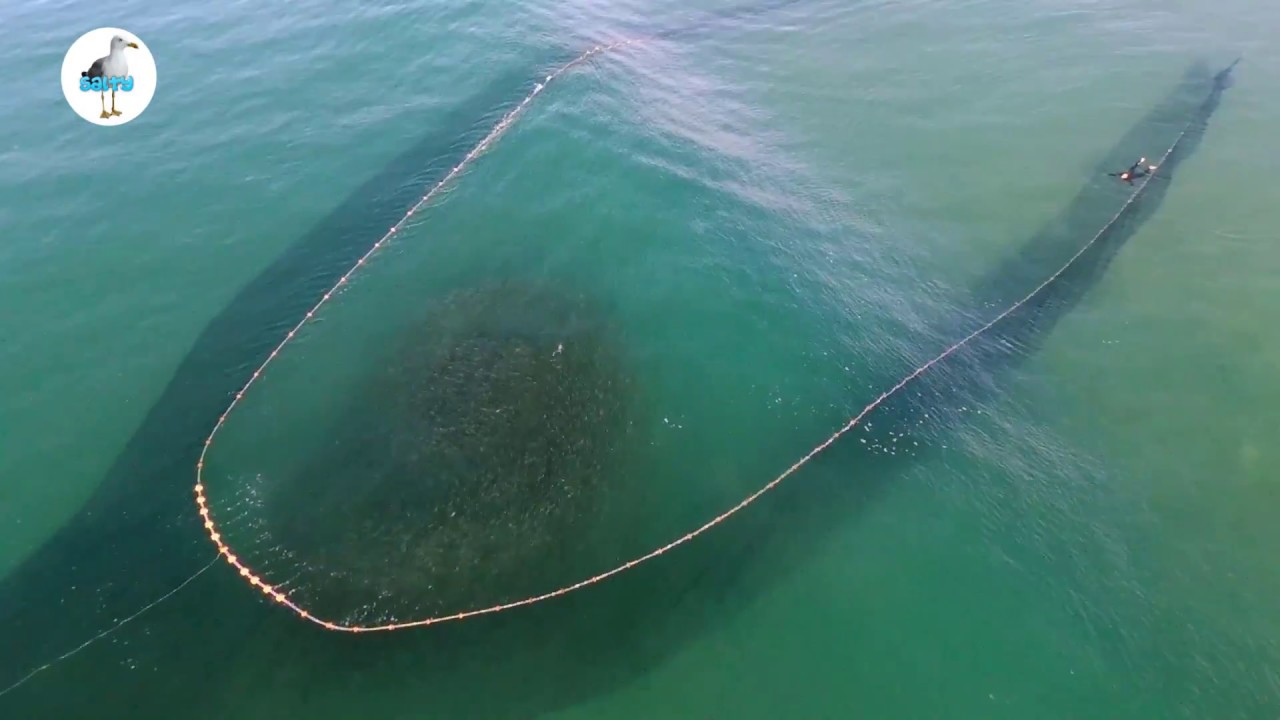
[110, 630]
[223, 551]
[709, 20]
[273, 592]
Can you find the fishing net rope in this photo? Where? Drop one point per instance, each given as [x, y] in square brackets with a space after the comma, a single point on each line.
[278, 594]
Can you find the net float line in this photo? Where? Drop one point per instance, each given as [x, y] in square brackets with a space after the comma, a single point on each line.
[110, 630]
[278, 596]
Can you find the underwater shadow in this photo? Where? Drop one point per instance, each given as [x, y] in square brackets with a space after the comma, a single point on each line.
[136, 536]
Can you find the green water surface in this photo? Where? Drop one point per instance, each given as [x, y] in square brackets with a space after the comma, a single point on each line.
[774, 211]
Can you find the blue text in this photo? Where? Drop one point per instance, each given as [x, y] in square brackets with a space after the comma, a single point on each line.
[103, 84]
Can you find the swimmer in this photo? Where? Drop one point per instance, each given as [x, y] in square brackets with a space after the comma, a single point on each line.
[1136, 170]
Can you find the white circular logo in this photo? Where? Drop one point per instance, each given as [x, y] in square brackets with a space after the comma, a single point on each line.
[108, 76]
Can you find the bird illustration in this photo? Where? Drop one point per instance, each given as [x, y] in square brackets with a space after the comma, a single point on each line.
[113, 65]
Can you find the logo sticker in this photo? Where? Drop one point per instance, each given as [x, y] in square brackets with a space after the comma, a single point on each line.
[108, 76]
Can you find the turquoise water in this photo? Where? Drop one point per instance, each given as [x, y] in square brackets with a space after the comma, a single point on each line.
[778, 213]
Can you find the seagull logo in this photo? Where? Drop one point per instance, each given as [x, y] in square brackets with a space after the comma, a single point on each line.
[108, 61]
[110, 72]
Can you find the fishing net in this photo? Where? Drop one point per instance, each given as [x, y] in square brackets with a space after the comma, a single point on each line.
[466, 474]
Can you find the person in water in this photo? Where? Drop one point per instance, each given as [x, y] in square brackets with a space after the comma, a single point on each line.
[1135, 171]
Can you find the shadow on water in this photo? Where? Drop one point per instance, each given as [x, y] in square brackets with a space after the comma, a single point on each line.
[1099, 209]
[135, 539]
[1179, 122]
